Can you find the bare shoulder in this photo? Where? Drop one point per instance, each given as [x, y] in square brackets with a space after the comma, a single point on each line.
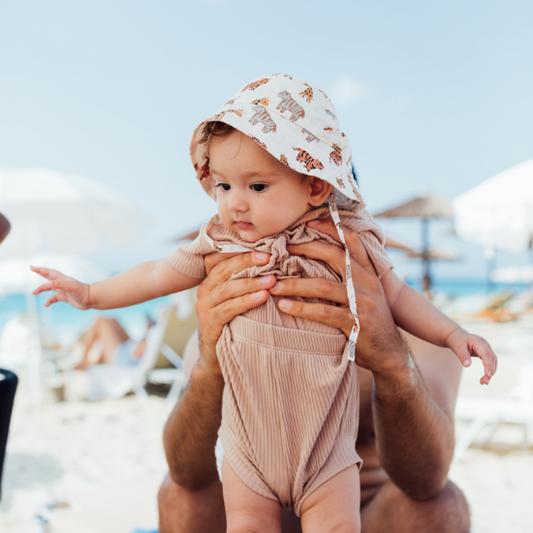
[440, 369]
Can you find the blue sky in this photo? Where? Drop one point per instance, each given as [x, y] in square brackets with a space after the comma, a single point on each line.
[435, 96]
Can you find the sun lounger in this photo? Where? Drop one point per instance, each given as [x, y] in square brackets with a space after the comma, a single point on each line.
[497, 309]
[167, 338]
[486, 415]
[118, 507]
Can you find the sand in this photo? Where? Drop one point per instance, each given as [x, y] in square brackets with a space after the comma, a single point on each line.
[72, 450]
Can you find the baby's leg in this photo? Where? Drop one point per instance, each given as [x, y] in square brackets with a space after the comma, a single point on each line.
[246, 510]
[334, 506]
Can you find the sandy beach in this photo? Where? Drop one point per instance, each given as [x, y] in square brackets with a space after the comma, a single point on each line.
[63, 451]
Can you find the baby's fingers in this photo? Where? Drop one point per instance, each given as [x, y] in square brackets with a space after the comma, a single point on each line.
[57, 285]
[463, 353]
[54, 286]
[42, 288]
[47, 273]
[53, 299]
[489, 359]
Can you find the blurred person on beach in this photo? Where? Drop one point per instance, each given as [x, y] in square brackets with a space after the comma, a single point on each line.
[280, 370]
[8, 381]
[114, 344]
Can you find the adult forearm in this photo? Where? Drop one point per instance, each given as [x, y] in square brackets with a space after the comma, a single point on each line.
[415, 437]
[191, 431]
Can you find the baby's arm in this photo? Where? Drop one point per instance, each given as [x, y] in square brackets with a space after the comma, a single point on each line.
[417, 315]
[141, 283]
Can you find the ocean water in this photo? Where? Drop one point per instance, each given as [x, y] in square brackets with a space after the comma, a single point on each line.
[459, 288]
[67, 323]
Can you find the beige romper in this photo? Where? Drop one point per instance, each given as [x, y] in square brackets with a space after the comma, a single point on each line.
[290, 403]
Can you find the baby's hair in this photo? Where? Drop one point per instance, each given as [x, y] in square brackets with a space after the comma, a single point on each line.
[218, 129]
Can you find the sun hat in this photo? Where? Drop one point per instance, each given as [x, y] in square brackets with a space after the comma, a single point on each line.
[297, 124]
[292, 120]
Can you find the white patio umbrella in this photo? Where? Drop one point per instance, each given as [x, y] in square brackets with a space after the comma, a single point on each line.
[64, 213]
[61, 213]
[498, 213]
[17, 278]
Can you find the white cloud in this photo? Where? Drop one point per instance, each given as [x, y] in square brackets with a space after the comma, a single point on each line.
[345, 91]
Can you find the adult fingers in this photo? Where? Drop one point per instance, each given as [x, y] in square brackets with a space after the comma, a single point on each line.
[225, 268]
[353, 241]
[337, 317]
[311, 288]
[212, 260]
[235, 288]
[212, 319]
[322, 251]
[229, 309]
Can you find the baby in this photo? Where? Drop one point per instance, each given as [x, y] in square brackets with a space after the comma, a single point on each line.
[275, 160]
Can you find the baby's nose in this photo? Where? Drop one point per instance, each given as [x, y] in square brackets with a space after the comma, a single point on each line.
[237, 202]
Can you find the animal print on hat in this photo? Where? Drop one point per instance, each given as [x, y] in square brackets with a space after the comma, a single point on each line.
[293, 121]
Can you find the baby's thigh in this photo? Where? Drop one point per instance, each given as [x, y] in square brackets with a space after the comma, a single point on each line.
[246, 510]
[334, 506]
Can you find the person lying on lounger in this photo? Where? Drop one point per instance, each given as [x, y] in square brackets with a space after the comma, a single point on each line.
[116, 345]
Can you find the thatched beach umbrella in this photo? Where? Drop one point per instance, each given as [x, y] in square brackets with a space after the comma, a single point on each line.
[424, 207]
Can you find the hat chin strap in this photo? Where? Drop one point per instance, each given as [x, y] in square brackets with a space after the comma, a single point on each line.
[349, 283]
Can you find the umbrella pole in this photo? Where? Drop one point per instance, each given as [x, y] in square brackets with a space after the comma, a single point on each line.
[426, 279]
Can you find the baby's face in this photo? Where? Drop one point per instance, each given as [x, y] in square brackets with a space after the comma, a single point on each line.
[257, 195]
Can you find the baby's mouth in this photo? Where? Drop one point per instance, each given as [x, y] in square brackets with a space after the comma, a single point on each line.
[243, 225]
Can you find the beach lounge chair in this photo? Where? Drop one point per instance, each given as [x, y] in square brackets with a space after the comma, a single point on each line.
[487, 414]
[117, 507]
[497, 310]
[165, 340]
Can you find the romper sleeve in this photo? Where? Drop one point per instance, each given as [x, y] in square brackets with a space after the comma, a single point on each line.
[188, 259]
[373, 238]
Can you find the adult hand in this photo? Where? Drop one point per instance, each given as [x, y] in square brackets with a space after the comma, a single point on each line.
[221, 299]
[380, 347]
[67, 289]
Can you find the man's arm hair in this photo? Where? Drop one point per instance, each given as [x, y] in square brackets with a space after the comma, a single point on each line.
[413, 420]
[190, 433]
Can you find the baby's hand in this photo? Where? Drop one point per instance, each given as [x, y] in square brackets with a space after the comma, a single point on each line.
[465, 345]
[67, 289]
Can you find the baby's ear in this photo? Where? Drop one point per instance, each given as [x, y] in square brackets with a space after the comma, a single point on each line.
[319, 192]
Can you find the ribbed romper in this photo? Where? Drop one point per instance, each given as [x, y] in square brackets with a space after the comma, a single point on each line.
[290, 402]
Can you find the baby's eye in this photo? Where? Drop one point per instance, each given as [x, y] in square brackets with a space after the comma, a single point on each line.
[258, 187]
[224, 186]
